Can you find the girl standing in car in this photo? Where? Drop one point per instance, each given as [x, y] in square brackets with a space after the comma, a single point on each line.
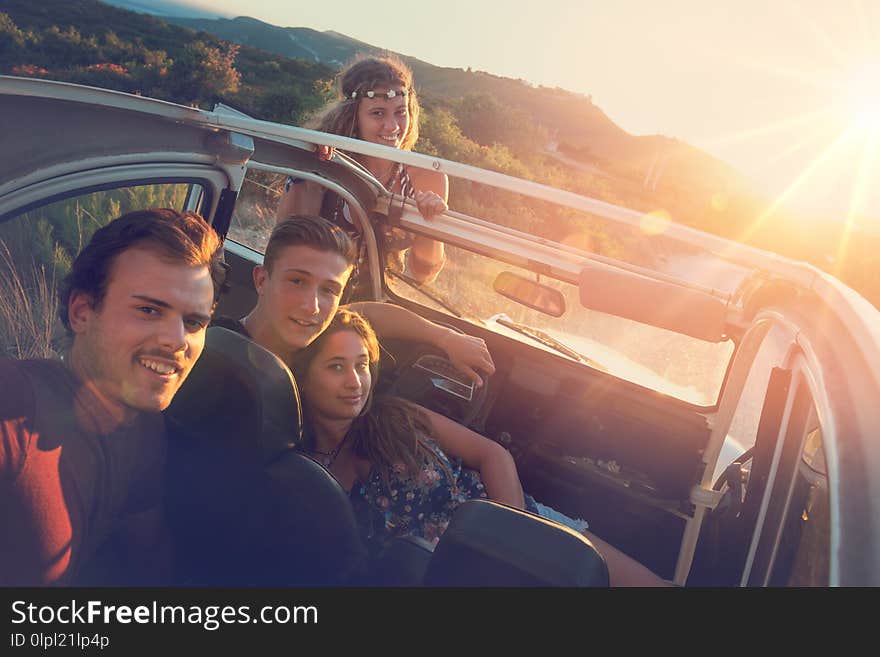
[378, 104]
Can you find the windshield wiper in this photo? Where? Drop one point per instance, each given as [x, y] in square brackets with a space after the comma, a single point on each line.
[547, 340]
[430, 294]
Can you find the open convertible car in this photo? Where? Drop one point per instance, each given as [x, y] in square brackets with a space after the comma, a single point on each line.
[710, 409]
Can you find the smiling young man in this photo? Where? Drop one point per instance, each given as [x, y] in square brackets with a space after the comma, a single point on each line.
[306, 267]
[82, 443]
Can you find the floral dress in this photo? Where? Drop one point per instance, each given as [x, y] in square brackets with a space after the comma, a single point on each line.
[413, 506]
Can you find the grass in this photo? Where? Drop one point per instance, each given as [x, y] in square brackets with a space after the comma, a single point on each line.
[28, 306]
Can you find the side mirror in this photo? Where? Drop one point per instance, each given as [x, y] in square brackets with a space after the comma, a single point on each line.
[532, 294]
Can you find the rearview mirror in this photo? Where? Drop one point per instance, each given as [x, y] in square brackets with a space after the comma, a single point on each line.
[532, 294]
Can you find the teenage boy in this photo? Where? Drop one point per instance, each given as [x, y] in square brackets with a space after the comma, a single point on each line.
[307, 263]
[82, 442]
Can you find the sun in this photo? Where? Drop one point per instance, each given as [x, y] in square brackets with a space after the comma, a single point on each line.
[861, 97]
[841, 133]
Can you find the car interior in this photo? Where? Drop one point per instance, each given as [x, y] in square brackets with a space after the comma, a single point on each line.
[586, 443]
[654, 473]
[578, 435]
[247, 509]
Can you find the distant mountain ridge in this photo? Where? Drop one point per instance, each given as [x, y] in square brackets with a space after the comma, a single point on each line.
[712, 194]
[297, 42]
[581, 127]
[545, 134]
[163, 8]
[648, 173]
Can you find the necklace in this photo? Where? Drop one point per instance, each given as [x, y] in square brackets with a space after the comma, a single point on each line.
[332, 454]
[391, 178]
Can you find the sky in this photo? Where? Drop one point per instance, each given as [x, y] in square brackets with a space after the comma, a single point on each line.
[787, 91]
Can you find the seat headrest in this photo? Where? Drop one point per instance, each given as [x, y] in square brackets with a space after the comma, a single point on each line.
[243, 507]
[238, 391]
[490, 544]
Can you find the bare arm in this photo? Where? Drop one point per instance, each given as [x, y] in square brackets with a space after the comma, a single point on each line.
[494, 463]
[623, 570]
[302, 198]
[465, 352]
[498, 472]
[427, 256]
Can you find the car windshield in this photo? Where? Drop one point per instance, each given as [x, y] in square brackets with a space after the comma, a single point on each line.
[426, 291]
[543, 338]
[686, 368]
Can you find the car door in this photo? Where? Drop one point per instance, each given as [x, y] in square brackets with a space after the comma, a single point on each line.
[814, 508]
[76, 158]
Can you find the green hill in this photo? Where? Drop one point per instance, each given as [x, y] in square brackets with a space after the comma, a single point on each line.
[579, 127]
[545, 134]
[328, 48]
[89, 42]
[645, 172]
[289, 76]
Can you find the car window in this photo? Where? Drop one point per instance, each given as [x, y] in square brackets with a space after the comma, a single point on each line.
[254, 214]
[685, 368]
[38, 247]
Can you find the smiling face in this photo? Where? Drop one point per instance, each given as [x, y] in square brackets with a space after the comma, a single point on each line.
[298, 297]
[338, 380]
[138, 345]
[383, 120]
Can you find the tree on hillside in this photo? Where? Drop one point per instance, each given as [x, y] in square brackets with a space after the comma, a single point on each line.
[204, 74]
[441, 135]
[68, 46]
[12, 41]
[486, 121]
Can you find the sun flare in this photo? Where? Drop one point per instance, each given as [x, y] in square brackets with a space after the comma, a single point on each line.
[861, 97]
[836, 140]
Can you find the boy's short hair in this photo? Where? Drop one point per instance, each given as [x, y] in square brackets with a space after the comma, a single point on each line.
[312, 231]
[179, 237]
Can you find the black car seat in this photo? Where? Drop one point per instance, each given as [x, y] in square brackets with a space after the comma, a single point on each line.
[492, 544]
[244, 508]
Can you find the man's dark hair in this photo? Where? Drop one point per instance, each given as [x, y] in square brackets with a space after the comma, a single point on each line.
[179, 237]
[312, 231]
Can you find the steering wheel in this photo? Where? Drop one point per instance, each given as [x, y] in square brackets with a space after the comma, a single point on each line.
[428, 378]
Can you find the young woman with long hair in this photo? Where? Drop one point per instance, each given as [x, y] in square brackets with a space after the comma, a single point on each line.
[377, 103]
[406, 468]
